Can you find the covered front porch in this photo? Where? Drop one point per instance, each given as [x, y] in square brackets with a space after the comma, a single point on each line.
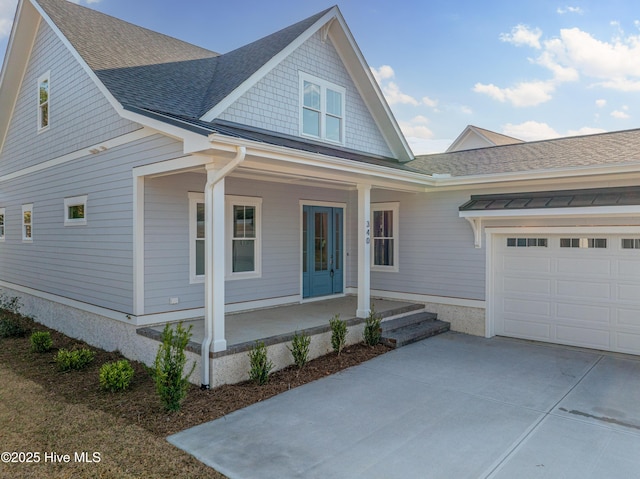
[279, 324]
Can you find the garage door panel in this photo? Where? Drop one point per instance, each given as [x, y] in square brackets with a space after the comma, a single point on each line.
[527, 286]
[582, 296]
[583, 289]
[584, 265]
[584, 313]
[530, 263]
[581, 336]
[527, 329]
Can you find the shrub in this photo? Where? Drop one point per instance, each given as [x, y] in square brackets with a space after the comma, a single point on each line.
[169, 367]
[73, 359]
[10, 326]
[372, 331]
[10, 304]
[300, 349]
[338, 333]
[116, 376]
[260, 364]
[41, 341]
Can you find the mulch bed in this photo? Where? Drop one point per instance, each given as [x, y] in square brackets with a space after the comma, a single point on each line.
[140, 404]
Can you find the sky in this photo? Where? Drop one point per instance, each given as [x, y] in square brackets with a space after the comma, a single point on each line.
[531, 69]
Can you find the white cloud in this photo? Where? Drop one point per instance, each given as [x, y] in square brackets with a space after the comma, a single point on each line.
[564, 10]
[530, 131]
[416, 128]
[523, 94]
[523, 35]
[390, 89]
[619, 114]
[585, 130]
[421, 146]
[601, 103]
[385, 72]
[429, 102]
[7, 11]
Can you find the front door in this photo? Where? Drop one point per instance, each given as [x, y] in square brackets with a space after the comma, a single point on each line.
[322, 255]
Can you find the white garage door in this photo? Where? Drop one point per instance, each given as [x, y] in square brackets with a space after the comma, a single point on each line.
[581, 290]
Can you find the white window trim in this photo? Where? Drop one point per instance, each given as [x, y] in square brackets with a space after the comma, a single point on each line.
[75, 201]
[230, 202]
[47, 77]
[27, 208]
[395, 208]
[323, 106]
[194, 199]
[3, 231]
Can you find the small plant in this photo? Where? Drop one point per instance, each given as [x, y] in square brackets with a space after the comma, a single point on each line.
[41, 342]
[10, 304]
[372, 331]
[260, 364]
[10, 327]
[116, 376]
[169, 367]
[300, 349]
[338, 333]
[73, 359]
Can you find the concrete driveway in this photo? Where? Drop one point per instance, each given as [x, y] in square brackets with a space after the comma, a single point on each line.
[453, 406]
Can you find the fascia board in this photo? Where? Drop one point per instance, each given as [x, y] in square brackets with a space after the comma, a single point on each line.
[213, 113]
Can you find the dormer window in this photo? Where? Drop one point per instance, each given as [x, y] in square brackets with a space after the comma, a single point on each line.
[43, 102]
[322, 109]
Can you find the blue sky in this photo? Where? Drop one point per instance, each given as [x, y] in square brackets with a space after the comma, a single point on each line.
[530, 69]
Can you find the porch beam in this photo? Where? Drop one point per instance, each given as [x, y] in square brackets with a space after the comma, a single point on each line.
[364, 250]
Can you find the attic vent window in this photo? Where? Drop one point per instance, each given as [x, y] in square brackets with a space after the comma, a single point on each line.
[322, 109]
[43, 102]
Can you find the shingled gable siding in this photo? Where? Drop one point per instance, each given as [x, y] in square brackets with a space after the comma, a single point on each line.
[167, 240]
[93, 263]
[274, 102]
[80, 116]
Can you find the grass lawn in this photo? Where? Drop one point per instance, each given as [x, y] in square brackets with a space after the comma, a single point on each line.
[45, 411]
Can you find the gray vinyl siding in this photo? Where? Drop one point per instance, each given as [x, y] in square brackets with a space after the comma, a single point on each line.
[91, 263]
[167, 240]
[274, 102]
[79, 114]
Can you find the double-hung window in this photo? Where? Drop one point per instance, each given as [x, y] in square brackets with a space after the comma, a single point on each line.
[43, 101]
[322, 109]
[384, 234]
[27, 222]
[242, 237]
[2, 224]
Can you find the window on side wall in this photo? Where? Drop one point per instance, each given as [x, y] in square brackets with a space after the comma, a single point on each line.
[196, 237]
[75, 211]
[43, 101]
[2, 224]
[322, 108]
[384, 234]
[27, 222]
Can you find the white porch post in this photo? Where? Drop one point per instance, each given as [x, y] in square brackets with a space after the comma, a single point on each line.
[364, 250]
[215, 258]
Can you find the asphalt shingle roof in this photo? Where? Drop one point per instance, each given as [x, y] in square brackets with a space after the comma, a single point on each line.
[617, 148]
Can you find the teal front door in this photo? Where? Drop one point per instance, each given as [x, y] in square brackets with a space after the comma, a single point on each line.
[322, 255]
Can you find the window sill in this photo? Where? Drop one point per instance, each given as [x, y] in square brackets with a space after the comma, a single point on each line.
[385, 269]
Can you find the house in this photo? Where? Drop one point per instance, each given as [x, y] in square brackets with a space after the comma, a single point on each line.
[144, 180]
[473, 137]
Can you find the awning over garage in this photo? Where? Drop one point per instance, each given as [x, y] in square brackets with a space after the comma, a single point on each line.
[555, 199]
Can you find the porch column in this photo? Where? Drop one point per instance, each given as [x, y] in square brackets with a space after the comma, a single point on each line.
[364, 250]
[215, 259]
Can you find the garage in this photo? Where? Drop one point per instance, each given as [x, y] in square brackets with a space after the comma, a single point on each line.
[576, 288]
[551, 277]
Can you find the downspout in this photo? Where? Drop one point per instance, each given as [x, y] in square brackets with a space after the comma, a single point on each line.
[241, 152]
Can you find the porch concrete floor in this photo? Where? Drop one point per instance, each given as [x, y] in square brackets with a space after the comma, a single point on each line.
[261, 324]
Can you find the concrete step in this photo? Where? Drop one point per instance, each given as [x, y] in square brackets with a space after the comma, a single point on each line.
[409, 329]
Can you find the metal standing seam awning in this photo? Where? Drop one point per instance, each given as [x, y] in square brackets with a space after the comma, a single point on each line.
[585, 202]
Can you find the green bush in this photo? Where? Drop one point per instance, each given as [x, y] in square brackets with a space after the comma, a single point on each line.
[169, 367]
[74, 359]
[372, 331]
[41, 341]
[300, 349]
[260, 364]
[338, 333]
[116, 376]
[11, 327]
[10, 304]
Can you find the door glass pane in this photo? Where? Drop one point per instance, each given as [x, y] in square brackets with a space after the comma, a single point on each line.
[320, 242]
[337, 243]
[243, 256]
